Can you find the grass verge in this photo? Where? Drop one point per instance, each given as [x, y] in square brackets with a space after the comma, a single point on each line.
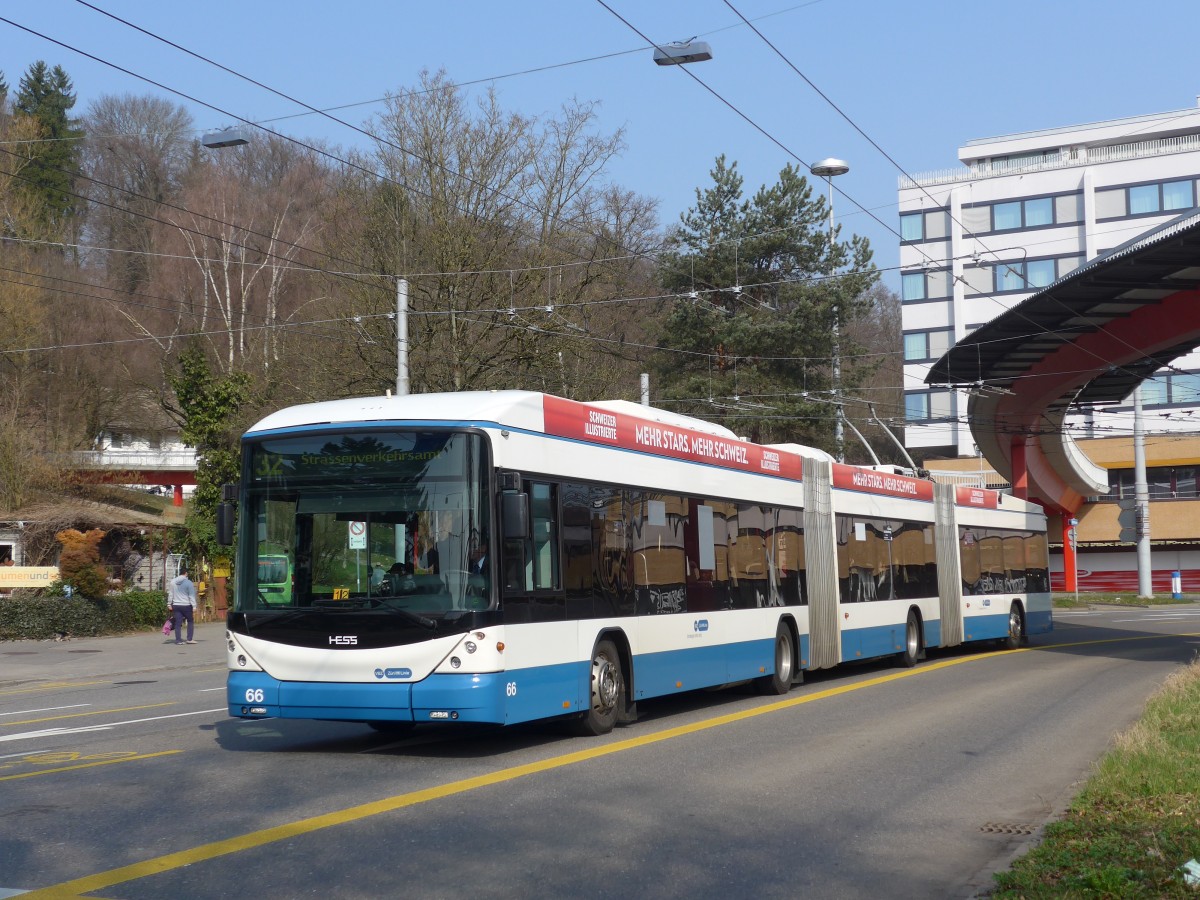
[1127, 598]
[1137, 821]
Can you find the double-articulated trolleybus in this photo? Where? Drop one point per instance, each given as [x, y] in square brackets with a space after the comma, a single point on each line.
[508, 556]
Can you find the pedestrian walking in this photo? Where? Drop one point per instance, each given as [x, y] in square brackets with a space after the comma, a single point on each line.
[181, 595]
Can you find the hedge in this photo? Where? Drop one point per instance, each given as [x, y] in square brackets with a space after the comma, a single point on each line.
[39, 615]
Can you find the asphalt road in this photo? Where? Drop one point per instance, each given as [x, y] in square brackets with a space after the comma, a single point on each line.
[122, 777]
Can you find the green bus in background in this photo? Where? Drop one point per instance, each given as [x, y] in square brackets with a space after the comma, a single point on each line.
[275, 580]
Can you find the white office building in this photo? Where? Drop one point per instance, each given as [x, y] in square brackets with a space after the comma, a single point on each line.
[1024, 210]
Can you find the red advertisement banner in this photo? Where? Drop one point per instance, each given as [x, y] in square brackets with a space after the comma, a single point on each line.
[978, 497]
[566, 418]
[853, 478]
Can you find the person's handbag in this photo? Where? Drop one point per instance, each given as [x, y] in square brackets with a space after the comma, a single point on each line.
[169, 625]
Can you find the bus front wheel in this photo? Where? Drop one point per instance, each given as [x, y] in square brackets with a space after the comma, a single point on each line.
[780, 680]
[606, 694]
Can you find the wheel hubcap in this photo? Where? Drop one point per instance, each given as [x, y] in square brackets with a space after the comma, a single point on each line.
[604, 683]
[912, 638]
[783, 652]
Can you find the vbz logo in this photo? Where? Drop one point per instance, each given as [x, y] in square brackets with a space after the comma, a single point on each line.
[700, 625]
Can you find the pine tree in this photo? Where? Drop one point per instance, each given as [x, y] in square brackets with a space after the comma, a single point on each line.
[750, 340]
[47, 96]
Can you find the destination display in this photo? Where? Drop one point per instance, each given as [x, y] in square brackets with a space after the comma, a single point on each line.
[567, 418]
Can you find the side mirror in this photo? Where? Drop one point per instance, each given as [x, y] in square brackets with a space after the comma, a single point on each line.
[514, 514]
[225, 511]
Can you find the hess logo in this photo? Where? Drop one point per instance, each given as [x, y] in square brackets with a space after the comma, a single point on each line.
[344, 640]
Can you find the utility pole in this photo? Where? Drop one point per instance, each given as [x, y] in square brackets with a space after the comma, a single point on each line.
[401, 337]
[827, 169]
[1141, 493]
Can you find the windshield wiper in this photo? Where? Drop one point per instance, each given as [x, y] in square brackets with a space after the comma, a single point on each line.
[416, 618]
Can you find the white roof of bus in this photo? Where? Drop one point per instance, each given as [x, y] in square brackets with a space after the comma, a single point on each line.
[516, 408]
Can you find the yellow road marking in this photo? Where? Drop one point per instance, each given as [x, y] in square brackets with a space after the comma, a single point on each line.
[103, 762]
[216, 849]
[50, 686]
[97, 712]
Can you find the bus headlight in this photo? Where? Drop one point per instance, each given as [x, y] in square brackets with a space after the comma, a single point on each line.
[470, 646]
[455, 662]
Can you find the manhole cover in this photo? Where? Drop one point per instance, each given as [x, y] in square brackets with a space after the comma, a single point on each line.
[1008, 828]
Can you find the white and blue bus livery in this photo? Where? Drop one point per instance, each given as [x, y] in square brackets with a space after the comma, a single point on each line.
[509, 556]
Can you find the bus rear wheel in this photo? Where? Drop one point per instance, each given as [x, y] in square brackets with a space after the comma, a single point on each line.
[780, 680]
[606, 694]
[1016, 629]
[907, 658]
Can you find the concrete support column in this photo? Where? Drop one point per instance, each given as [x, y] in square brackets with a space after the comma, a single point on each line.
[1020, 472]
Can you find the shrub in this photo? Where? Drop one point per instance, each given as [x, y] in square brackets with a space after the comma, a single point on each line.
[79, 561]
[40, 615]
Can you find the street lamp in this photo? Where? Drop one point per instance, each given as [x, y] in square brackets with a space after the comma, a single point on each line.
[233, 136]
[828, 169]
[682, 52]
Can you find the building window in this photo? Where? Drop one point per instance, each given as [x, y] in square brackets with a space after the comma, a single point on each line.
[912, 286]
[1182, 389]
[1177, 195]
[916, 407]
[1039, 272]
[928, 406]
[1146, 199]
[1039, 212]
[1028, 275]
[1006, 216]
[1143, 199]
[925, 346]
[912, 227]
[1009, 276]
[1023, 214]
[1162, 482]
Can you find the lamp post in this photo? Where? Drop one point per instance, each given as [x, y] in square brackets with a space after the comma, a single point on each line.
[828, 169]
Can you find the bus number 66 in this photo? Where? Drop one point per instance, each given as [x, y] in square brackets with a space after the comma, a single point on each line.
[254, 695]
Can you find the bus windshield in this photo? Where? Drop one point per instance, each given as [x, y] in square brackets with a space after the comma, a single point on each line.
[366, 520]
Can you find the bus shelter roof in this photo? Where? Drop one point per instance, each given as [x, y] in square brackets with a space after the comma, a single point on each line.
[1089, 338]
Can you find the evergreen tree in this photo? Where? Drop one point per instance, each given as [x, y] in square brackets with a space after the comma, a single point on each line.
[46, 96]
[208, 406]
[750, 340]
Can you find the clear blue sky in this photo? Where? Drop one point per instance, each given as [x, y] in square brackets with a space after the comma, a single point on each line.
[919, 78]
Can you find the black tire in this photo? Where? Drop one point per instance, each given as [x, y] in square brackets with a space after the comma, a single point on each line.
[1016, 628]
[606, 692]
[780, 680]
[907, 658]
[393, 729]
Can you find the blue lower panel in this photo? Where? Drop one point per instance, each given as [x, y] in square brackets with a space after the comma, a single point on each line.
[500, 698]
[1039, 621]
[674, 671]
[986, 628]
[868, 643]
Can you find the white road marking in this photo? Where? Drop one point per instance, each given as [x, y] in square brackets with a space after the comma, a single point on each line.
[58, 732]
[207, 690]
[44, 709]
